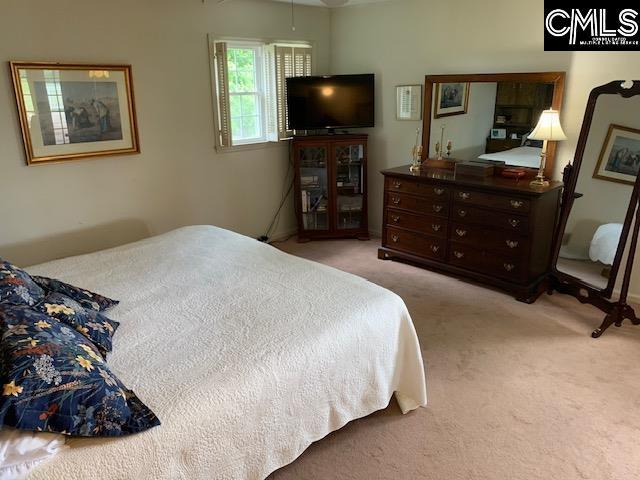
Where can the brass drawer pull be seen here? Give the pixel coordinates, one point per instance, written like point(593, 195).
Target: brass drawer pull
point(516, 203)
point(395, 238)
point(509, 266)
point(436, 227)
point(513, 222)
point(462, 213)
point(512, 243)
point(460, 232)
point(395, 200)
point(458, 254)
point(438, 191)
point(464, 195)
point(397, 184)
point(395, 218)
point(437, 208)
point(435, 248)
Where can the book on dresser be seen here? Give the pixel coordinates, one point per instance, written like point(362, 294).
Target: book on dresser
point(493, 230)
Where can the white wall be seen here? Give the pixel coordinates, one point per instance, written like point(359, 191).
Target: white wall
point(403, 40)
point(56, 210)
point(467, 132)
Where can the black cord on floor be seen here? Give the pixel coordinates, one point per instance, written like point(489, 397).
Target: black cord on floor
point(285, 195)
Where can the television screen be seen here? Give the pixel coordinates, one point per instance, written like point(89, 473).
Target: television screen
point(338, 101)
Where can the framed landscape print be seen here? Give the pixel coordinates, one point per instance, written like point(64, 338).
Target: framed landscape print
point(451, 99)
point(619, 159)
point(72, 111)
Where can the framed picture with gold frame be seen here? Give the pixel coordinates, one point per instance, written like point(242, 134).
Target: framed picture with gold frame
point(451, 99)
point(619, 159)
point(70, 111)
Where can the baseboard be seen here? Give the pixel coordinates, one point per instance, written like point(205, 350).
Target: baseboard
point(375, 233)
point(631, 297)
point(284, 235)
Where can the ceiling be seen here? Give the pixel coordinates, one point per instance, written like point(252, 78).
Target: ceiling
point(320, 3)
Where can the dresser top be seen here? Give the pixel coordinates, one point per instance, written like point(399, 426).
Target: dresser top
point(495, 183)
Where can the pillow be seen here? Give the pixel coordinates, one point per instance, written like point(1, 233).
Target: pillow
point(534, 143)
point(54, 380)
point(17, 287)
point(93, 325)
point(529, 142)
point(84, 297)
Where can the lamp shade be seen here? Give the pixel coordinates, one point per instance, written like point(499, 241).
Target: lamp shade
point(548, 127)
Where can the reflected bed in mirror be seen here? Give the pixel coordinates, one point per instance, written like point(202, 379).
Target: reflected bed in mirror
point(609, 167)
point(489, 116)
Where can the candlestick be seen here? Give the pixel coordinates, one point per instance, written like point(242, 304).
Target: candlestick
point(416, 153)
point(441, 142)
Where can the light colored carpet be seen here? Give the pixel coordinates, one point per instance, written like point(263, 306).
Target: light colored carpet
point(516, 391)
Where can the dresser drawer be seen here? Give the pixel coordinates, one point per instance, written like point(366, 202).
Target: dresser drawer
point(492, 200)
point(430, 225)
point(421, 205)
point(512, 223)
point(489, 239)
point(416, 188)
point(488, 263)
point(422, 245)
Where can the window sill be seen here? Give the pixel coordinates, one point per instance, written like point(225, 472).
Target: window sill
point(251, 146)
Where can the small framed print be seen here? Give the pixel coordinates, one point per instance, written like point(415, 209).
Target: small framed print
point(72, 111)
point(451, 99)
point(409, 102)
point(619, 159)
point(498, 133)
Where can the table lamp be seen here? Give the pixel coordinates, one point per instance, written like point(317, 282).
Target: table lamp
point(548, 128)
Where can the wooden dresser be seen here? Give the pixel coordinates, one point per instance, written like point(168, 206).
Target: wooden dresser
point(495, 231)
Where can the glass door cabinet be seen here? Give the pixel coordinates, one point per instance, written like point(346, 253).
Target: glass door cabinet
point(331, 186)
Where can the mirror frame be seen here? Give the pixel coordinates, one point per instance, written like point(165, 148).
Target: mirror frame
point(569, 195)
point(557, 78)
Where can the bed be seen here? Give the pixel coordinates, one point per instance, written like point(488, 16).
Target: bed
point(517, 157)
point(246, 354)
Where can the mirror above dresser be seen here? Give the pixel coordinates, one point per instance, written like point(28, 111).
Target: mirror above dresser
point(490, 116)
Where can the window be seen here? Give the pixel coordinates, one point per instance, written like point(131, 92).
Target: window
point(246, 94)
point(250, 87)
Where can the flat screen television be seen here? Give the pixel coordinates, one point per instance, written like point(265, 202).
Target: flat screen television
point(337, 101)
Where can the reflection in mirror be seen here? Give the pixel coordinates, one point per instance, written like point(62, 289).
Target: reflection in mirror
point(605, 181)
point(489, 120)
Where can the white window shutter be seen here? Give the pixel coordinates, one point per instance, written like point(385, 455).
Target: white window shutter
point(222, 81)
point(302, 61)
point(284, 70)
point(289, 62)
point(270, 93)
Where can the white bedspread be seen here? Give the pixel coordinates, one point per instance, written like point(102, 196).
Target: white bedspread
point(517, 157)
point(246, 354)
